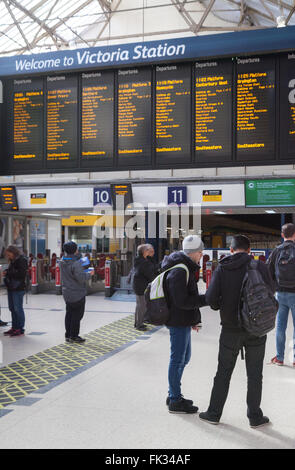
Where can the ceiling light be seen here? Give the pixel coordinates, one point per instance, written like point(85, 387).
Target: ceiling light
point(51, 215)
point(271, 212)
point(219, 212)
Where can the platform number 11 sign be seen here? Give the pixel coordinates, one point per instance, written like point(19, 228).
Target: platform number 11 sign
point(177, 195)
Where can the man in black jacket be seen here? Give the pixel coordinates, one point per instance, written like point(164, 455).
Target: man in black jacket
point(184, 301)
point(15, 282)
point(224, 294)
point(144, 271)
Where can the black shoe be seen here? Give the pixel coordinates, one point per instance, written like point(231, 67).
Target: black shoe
point(206, 417)
point(77, 339)
point(67, 340)
point(190, 402)
point(260, 422)
point(141, 328)
point(182, 406)
point(3, 323)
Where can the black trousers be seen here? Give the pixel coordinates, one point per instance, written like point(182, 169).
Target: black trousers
point(74, 314)
point(230, 344)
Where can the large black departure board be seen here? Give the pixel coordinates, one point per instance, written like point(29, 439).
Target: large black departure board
point(255, 108)
point(287, 102)
point(202, 113)
point(134, 116)
point(213, 110)
point(97, 134)
point(28, 123)
point(173, 113)
point(62, 121)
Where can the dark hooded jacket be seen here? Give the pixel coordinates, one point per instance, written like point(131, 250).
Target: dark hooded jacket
point(73, 278)
point(183, 298)
point(224, 290)
point(144, 272)
point(15, 279)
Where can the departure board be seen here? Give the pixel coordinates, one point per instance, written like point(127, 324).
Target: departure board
point(213, 110)
point(8, 198)
point(255, 108)
point(287, 102)
point(134, 115)
point(173, 113)
point(97, 118)
point(62, 121)
point(28, 123)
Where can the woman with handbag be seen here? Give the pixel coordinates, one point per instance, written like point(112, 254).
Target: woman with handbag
point(15, 282)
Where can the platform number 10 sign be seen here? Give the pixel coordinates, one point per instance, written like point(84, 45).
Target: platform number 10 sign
point(102, 196)
point(177, 195)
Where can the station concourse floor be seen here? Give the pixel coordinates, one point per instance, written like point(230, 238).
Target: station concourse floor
point(117, 399)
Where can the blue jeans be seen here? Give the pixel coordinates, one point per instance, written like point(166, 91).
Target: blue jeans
point(286, 302)
point(180, 354)
point(15, 305)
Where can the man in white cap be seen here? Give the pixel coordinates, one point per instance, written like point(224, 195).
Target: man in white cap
point(184, 301)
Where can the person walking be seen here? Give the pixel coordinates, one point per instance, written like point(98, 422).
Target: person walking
point(15, 282)
point(281, 264)
point(183, 300)
point(144, 271)
point(224, 294)
point(73, 280)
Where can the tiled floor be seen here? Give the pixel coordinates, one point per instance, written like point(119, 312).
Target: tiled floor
point(120, 402)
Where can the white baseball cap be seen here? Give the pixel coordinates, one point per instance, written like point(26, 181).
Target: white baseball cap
point(192, 243)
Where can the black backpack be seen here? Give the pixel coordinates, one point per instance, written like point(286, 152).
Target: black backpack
point(258, 305)
point(285, 266)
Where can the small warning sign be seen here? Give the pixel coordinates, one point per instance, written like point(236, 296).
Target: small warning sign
point(212, 195)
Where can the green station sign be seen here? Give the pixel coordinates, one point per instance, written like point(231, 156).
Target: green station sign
point(270, 193)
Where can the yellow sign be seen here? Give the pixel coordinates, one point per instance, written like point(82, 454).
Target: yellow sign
point(212, 195)
point(39, 198)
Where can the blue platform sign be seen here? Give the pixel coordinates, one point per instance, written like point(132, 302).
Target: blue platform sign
point(177, 195)
point(102, 196)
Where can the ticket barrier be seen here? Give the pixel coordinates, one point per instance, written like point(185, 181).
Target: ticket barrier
point(109, 278)
point(209, 266)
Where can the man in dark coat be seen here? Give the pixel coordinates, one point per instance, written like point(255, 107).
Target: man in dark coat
point(15, 282)
point(224, 294)
point(144, 271)
point(184, 301)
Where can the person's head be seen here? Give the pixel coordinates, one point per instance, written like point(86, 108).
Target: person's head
point(12, 252)
point(288, 232)
point(70, 248)
point(145, 250)
point(193, 247)
point(240, 243)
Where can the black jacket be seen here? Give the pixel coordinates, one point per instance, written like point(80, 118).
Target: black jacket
point(271, 263)
point(144, 271)
point(15, 279)
point(224, 290)
point(183, 298)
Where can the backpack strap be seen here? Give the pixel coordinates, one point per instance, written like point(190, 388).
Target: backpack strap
point(180, 265)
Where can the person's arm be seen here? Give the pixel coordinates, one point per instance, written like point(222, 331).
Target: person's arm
point(178, 291)
point(213, 293)
point(266, 275)
point(271, 265)
point(148, 270)
point(79, 274)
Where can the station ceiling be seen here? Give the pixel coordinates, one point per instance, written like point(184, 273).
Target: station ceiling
point(32, 26)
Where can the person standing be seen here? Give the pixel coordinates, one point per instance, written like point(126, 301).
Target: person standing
point(15, 282)
point(144, 271)
point(73, 280)
point(183, 300)
point(224, 294)
point(281, 264)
